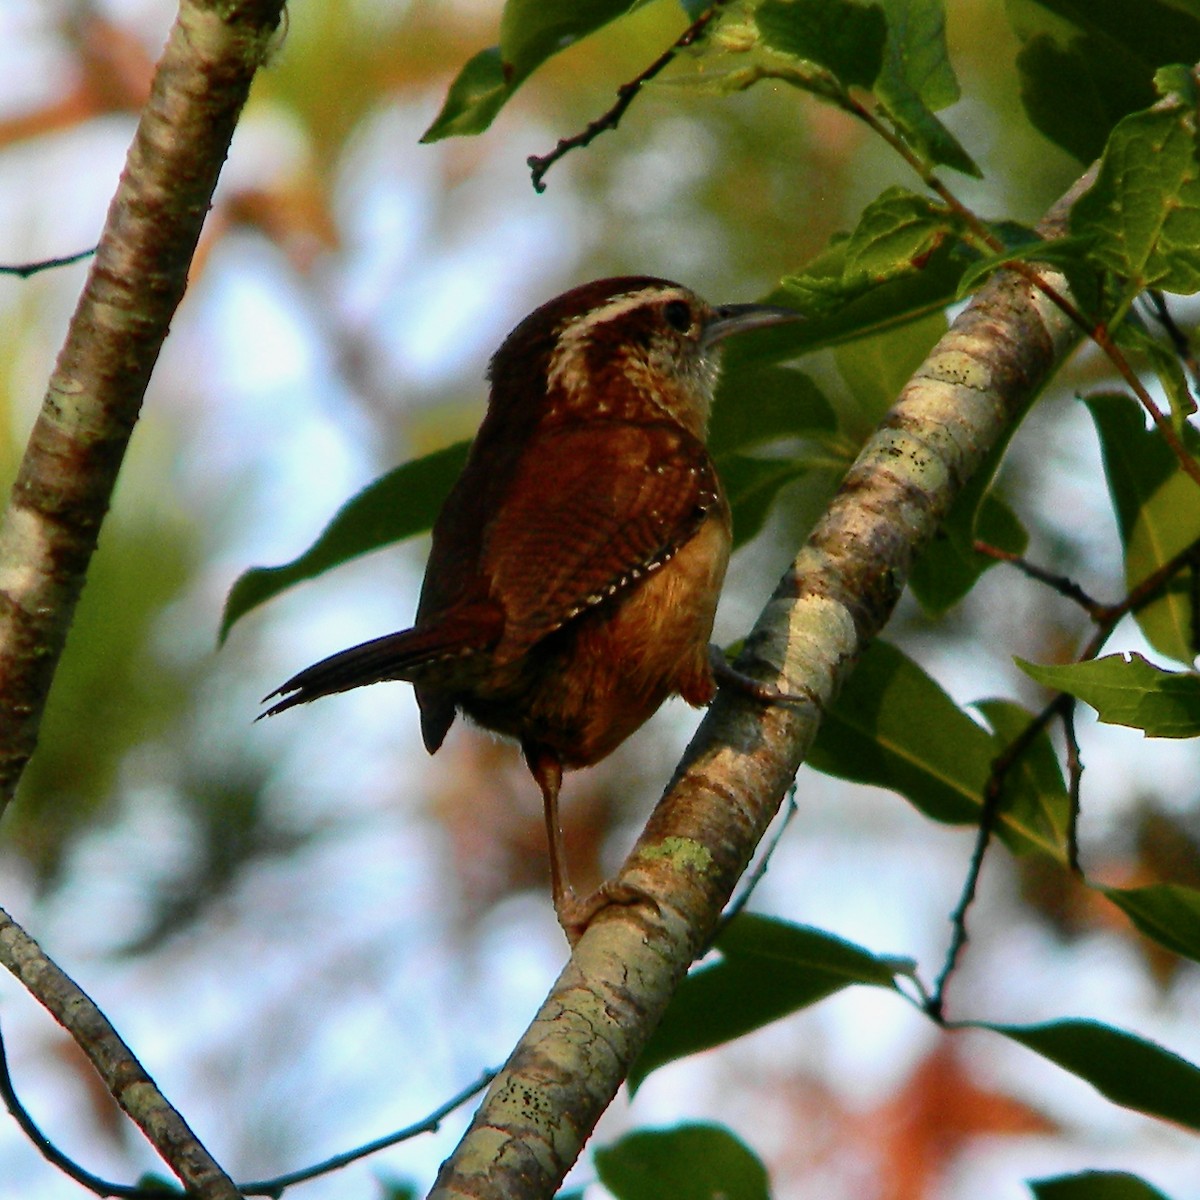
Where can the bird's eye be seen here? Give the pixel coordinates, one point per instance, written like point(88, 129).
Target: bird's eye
point(678, 314)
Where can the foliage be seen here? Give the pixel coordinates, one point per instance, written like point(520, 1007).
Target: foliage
point(911, 252)
point(876, 298)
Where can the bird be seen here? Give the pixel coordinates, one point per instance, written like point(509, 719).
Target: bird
point(576, 564)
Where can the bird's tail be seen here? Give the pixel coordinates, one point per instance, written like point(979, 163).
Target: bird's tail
point(403, 655)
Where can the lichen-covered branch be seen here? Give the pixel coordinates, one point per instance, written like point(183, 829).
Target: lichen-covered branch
point(65, 481)
point(835, 598)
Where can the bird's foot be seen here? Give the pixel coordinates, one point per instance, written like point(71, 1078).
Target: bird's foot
point(576, 913)
point(727, 675)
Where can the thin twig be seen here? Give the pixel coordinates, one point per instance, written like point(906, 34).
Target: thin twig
point(1106, 617)
point(1074, 782)
point(25, 270)
point(49, 1151)
point(1060, 583)
point(430, 1124)
point(755, 877)
point(993, 792)
point(539, 164)
point(266, 1187)
point(1100, 334)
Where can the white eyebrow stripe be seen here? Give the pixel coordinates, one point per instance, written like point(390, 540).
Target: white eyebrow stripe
point(567, 368)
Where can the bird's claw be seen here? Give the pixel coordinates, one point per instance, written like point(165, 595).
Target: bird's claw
point(727, 675)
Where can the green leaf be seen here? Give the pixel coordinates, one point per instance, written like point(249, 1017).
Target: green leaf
point(395, 506)
point(917, 50)
point(1143, 211)
point(1069, 254)
point(751, 485)
point(1095, 1185)
point(689, 1162)
point(917, 79)
point(1103, 55)
point(475, 97)
point(1157, 513)
point(757, 406)
point(896, 233)
point(768, 969)
point(398, 1189)
point(1129, 691)
point(950, 566)
point(1124, 1068)
point(877, 367)
point(842, 306)
point(1037, 797)
point(894, 727)
point(1168, 913)
point(531, 31)
point(1140, 345)
point(844, 38)
point(154, 1184)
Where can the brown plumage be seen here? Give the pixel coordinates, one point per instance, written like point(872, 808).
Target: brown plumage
point(577, 562)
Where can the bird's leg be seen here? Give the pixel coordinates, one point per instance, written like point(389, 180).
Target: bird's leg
point(574, 914)
point(727, 675)
point(546, 768)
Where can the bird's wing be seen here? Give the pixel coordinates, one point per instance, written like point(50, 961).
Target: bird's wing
point(591, 511)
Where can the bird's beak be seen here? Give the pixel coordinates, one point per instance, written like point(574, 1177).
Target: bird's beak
point(738, 318)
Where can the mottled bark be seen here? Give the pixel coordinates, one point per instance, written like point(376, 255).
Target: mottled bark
point(66, 478)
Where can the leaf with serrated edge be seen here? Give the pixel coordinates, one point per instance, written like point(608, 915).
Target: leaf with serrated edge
point(895, 234)
point(1143, 211)
point(1128, 690)
point(1157, 513)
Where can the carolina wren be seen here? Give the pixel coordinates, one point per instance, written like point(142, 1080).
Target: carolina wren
point(576, 563)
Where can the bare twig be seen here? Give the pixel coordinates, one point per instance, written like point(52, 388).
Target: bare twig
point(63, 487)
point(25, 270)
point(1060, 583)
point(1074, 783)
point(429, 1124)
point(48, 1150)
point(265, 1187)
point(539, 164)
point(993, 792)
point(755, 877)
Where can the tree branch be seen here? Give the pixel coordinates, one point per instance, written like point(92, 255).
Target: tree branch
point(65, 481)
point(835, 598)
point(125, 1077)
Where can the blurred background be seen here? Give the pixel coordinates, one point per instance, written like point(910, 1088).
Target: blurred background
point(311, 932)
